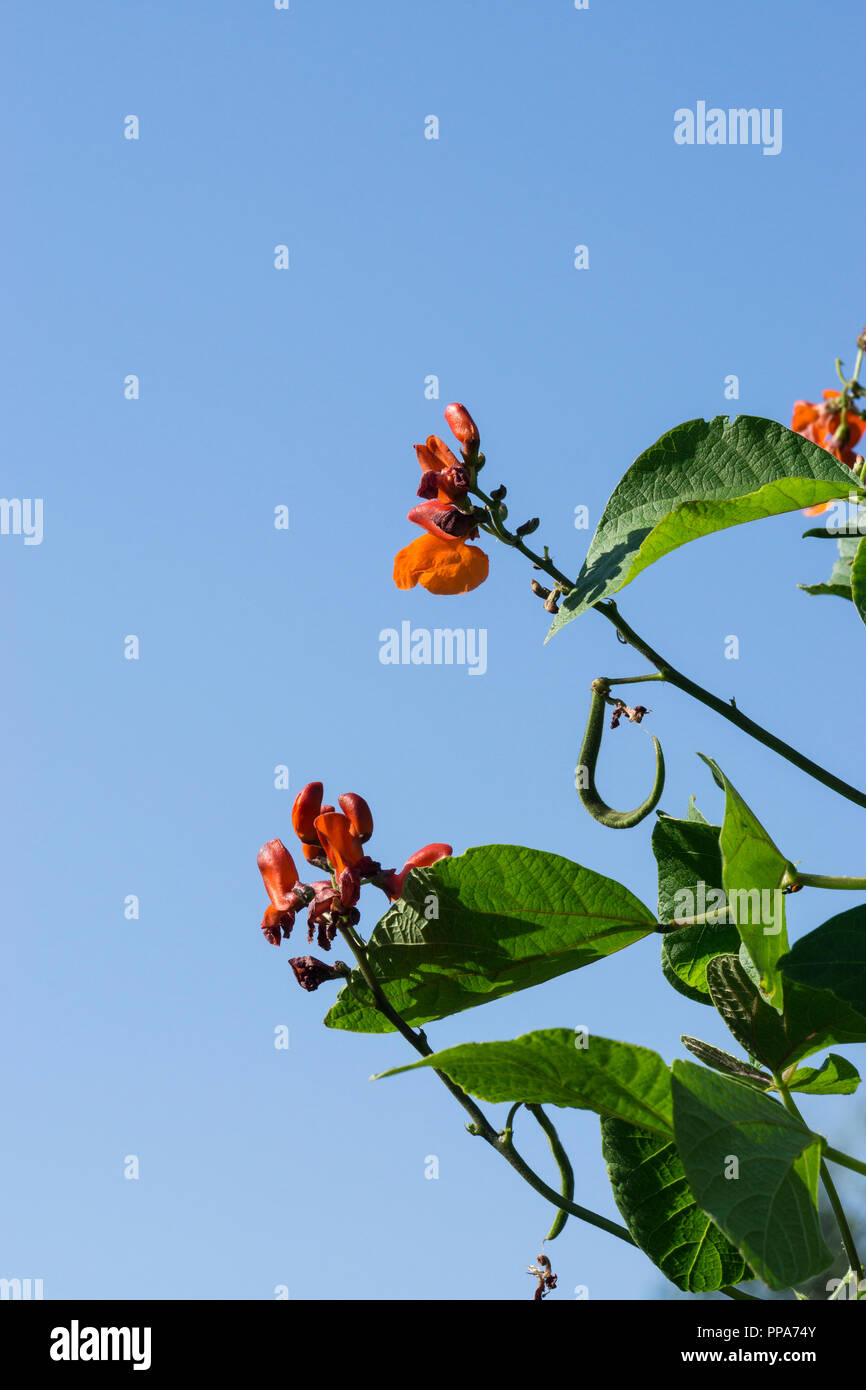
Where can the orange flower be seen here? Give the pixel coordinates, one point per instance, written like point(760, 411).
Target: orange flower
point(822, 424)
point(277, 868)
point(441, 562)
point(440, 566)
point(339, 841)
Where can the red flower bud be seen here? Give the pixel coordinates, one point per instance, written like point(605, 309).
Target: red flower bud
point(277, 868)
point(359, 814)
point(339, 841)
point(308, 805)
point(421, 859)
point(463, 427)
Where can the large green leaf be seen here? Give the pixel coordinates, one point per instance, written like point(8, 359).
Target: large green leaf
point(754, 1169)
point(474, 928)
point(655, 1201)
point(812, 1019)
point(839, 582)
point(551, 1067)
point(689, 862)
point(701, 477)
point(833, 957)
point(753, 873)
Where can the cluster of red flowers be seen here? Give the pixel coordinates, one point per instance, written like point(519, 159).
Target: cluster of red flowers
point(835, 425)
point(334, 841)
point(441, 561)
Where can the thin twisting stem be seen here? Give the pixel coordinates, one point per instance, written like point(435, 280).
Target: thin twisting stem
point(609, 610)
point(481, 1126)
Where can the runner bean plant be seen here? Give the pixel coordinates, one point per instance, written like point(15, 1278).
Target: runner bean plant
point(714, 1170)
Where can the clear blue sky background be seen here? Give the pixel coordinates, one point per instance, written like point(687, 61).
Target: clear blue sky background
point(409, 257)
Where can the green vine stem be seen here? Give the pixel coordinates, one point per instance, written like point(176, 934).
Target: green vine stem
point(480, 1125)
point(666, 671)
point(798, 880)
point(609, 610)
point(845, 1160)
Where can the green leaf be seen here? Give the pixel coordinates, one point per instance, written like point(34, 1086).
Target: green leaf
point(753, 873)
point(482, 925)
point(552, 1067)
point(689, 864)
point(655, 1201)
point(722, 1061)
point(701, 477)
point(858, 579)
point(837, 1077)
point(813, 1018)
point(833, 957)
point(769, 1211)
point(693, 814)
point(839, 582)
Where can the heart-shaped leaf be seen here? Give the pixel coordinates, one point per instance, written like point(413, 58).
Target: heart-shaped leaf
point(482, 925)
point(689, 862)
point(655, 1201)
point(701, 477)
point(556, 1066)
point(754, 1169)
point(812, 1019)
point(753, 871)
point(833, 957)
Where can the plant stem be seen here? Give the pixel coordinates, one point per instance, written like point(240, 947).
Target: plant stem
point(609, 610)
point(828, 881)
point(845, 1160)
point(669, 673)
point(480, 1126)
point(829, 1186)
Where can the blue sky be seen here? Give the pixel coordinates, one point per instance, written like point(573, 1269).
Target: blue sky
point(306, 388)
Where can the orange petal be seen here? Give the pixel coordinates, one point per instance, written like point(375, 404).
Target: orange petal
point(440, 566)
point(804, 414)
point(278, 871)
point(440, 451)
point(816, 511)
point(339, 841)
